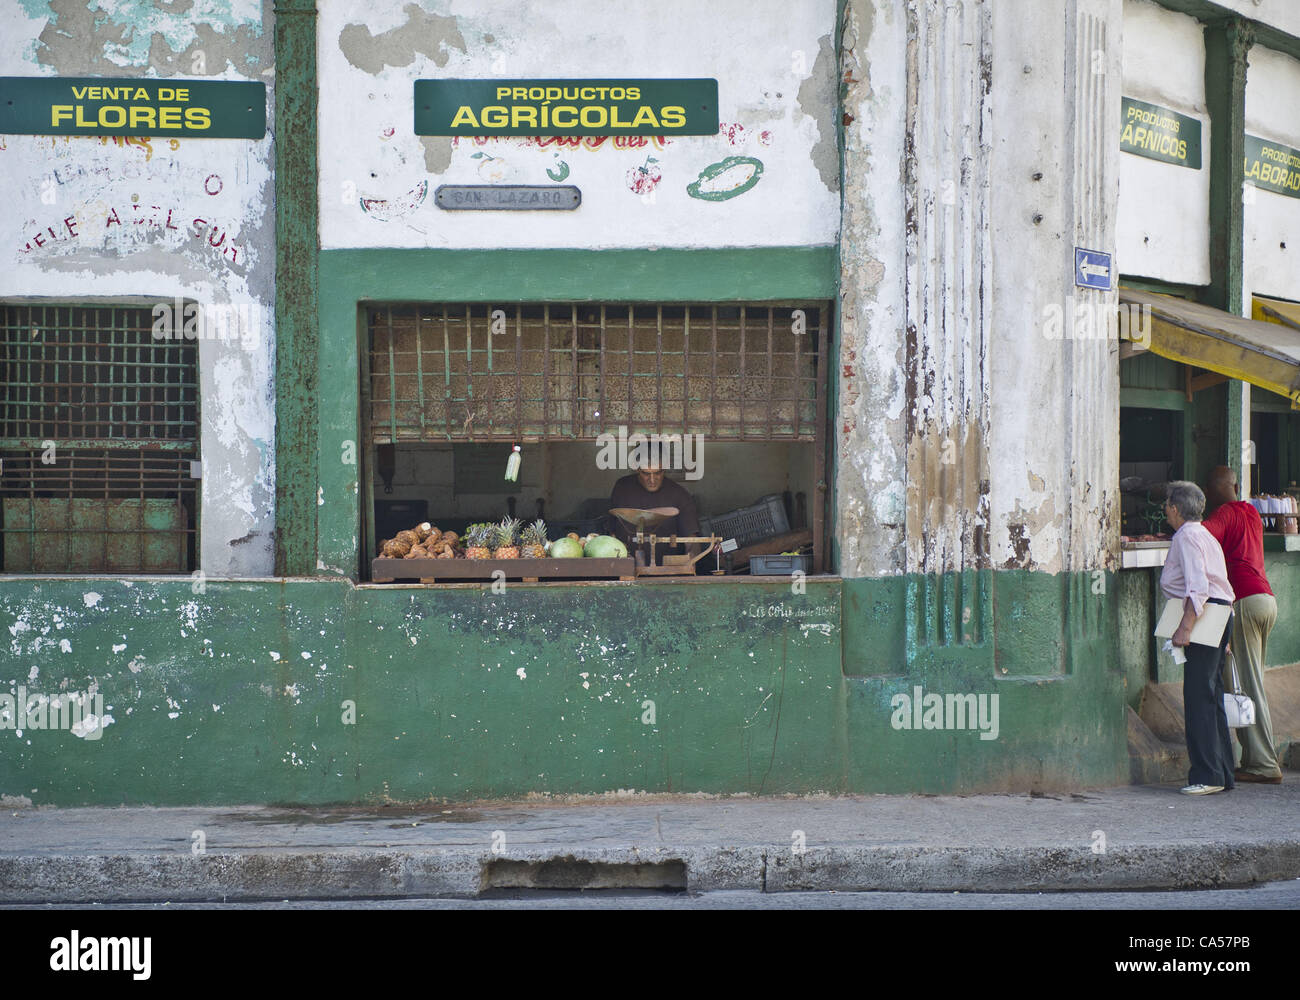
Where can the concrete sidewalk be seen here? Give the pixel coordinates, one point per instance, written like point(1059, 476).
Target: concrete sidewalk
point(1137, 837)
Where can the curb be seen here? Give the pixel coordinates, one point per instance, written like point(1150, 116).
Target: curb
point(141, 877)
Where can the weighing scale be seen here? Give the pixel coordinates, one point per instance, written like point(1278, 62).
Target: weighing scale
point(638, 521)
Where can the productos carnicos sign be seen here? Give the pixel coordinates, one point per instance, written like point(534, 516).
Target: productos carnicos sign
point(209, 109)
point(566, 107)
point(1160, 134)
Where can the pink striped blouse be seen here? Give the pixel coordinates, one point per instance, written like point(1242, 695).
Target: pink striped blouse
point(1195, 567)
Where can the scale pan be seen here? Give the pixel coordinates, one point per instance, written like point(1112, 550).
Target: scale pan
point(642, 519)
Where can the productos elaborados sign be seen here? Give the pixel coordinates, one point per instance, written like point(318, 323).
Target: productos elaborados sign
point(209, 109)
point(1272, 166)
point(566, 107)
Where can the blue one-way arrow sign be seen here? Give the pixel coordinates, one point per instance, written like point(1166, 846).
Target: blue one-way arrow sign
point(1092, 269)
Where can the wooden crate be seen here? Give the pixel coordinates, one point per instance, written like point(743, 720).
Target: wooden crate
point(527, 570)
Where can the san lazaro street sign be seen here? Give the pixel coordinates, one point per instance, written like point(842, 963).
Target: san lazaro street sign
point(61, 105)
point(566, 107)
point(1272, 166)
point(1160, 134)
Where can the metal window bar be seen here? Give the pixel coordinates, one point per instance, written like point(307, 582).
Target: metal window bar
point(94, 374)
point(572, 361)
point(519, 367)
point(419, 374)
point(98, 427)
point(446, 359)
point(575, 373)
point(742, 370)
point(686, 368)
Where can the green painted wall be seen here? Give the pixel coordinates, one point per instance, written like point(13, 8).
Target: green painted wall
point(1283, 572)
point(1140, 596)
point(236, 695)
point(297, 346)
point(1136, 623)
point(1044, 644)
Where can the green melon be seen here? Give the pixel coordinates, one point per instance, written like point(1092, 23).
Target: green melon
point(605, 547)
point(565, 548)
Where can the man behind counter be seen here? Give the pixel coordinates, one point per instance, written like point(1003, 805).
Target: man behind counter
point(645, 489)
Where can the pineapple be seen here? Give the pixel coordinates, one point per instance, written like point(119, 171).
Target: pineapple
point(507, 539)
point(535, 540)
point(477, 540)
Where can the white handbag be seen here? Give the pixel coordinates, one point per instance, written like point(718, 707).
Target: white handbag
point(1238, 707)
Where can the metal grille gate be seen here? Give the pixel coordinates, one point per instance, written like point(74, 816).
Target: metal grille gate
point(573, 371)
point(98, 427)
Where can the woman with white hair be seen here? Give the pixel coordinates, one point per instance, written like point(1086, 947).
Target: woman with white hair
point(1196, 574)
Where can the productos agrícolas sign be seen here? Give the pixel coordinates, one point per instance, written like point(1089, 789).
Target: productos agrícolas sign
point(566, 107)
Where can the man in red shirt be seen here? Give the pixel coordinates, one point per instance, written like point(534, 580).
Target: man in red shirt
point(1236, 526)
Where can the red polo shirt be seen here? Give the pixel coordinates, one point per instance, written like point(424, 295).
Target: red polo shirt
point(1240, 533)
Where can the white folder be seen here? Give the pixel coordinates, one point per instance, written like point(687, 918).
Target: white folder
point(1208, 630)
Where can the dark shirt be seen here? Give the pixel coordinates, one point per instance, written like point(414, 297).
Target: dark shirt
point(1240, 533)
point(628, 492)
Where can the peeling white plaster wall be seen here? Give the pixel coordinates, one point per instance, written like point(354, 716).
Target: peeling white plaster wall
point(1030, 265)
point(1054, 435)
point(1164, 219)
point(1015, 439)
point(160, 218)
point(1272, 219)
point(869, 429)
point(774, 62)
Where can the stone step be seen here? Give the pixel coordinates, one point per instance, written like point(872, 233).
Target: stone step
point(1157, 740)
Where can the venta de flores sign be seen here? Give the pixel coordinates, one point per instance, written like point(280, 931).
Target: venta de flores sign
point(1160, 134)
point(208, 109)
point(566, 107)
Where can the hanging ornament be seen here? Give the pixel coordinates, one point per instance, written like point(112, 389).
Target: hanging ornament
point(512, 465)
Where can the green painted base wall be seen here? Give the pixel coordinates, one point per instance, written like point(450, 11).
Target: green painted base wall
point(237, 695)
point(1136, 623)
point(1283, 572)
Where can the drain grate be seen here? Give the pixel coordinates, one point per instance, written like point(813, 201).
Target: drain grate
point(572, 873)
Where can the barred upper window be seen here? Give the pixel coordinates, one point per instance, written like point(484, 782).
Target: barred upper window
point(98, 430)
point(570, 371)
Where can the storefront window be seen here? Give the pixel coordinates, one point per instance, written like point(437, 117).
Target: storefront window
point(733, 396)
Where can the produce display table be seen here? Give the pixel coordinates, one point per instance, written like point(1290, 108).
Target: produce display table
point(527, 570)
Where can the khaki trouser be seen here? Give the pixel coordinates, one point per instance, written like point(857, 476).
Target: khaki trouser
point(1254, 619)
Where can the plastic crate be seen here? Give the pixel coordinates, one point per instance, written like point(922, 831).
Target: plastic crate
point(749, 524)
point(779, 565)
